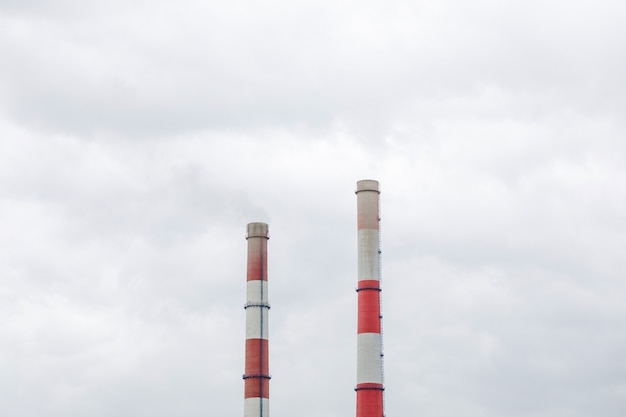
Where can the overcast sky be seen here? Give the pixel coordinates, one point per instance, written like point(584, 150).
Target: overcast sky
point(138, 138)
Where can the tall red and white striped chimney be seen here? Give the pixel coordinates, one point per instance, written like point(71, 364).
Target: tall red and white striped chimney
point(256, 377)
point(369, 377)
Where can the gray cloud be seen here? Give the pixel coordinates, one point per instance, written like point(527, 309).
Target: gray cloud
point(165, 69)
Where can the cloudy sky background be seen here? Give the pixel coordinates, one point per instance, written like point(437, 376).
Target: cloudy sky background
point(138, 138)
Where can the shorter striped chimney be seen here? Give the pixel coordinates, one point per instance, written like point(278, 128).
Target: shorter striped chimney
point(257, 377)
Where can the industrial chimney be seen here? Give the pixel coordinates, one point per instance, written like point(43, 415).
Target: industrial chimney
point(369, 379)
point(256, 377)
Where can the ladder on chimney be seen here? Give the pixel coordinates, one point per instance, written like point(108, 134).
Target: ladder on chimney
point(380, 278)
